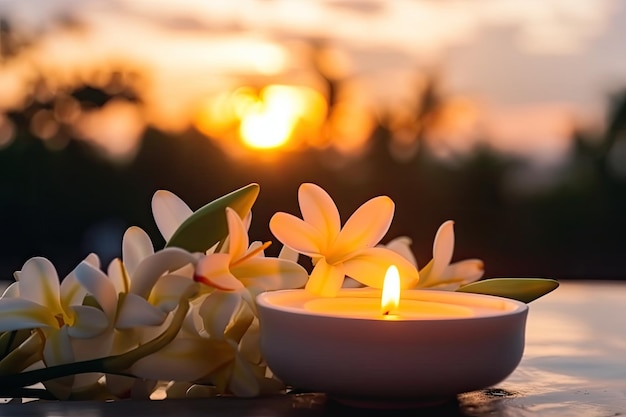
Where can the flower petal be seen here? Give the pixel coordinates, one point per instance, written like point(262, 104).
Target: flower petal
point(297, 234)
point(244, 381)
point(267, 274)
point(464, 272)
point(426, 278)
point(169, 212)
point(136, 311)
point(289, 254)
point(94, 347)
point(136, 246)
point(167, 291)
point(184, 359)
point(365, 228)
point(237, 235)
point(87, 349)
point(72, 292)
point(217, 311)
point(443, 248)
point(154, 266)
point(88, 322)
point(116, 272)
point(39, 283)
point(214, 270)
point(325, 279)
point(58, 349)
point(319, 210)
point(240, 325)
point(402, 246)
point(98, 285)
point(369, 267)
point(12, 291)
point(250, 342)
point(256, 248)
point(17, 313)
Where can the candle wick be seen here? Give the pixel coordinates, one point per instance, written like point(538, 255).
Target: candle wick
point(386, 312)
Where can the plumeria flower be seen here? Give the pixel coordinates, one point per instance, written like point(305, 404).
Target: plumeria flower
point(191, 356)
point(137, 293)
point(39, 300)
point(439, 273)
point(145, 287)
point(200, 347)
point(237, 264)
point(242, 266)
point(336, 251)
point(245, 373)
point(234, 274)
point(223, 351)
point(70, 330)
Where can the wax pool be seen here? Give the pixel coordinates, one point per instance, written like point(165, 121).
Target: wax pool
point(370, 308)
point(365, 303)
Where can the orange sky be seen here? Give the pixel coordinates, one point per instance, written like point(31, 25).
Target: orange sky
point(525, 71)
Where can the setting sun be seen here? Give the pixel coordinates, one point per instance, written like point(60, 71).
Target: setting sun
point(271, 120)
point(268, 118)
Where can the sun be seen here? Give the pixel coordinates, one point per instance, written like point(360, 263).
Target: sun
point(270, 122)
point(276, 116)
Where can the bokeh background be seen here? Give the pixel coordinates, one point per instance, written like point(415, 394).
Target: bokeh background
point(508, 117)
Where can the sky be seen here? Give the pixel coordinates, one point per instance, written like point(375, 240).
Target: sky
point(519, 75)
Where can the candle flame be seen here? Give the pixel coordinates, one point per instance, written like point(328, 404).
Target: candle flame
point(391, 291)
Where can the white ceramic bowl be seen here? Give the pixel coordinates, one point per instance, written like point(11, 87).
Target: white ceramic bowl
point(369, 361)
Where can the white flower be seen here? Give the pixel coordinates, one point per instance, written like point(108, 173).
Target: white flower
point(241, 265)
point(70, 329)
point(39, 300)
point(145, 287)
point(336, 251)
point(137, 294)
point(439, 273)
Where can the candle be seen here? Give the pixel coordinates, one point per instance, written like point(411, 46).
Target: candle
point(388, 305)
point(362, 349)
point(365, 303)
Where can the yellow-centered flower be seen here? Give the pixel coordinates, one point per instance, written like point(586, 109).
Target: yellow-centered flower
point(339, 252)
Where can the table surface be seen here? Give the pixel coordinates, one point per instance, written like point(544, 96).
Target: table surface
point(574, 364)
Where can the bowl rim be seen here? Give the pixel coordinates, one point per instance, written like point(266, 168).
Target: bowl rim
point(501, 306)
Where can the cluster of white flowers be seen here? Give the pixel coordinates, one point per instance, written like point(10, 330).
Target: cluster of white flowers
point(186, 320)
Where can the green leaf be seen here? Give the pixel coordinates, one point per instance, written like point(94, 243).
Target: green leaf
point(521, 289)
point(207, 226)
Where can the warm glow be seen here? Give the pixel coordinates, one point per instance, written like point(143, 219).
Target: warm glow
point(271, 121)
point(391, 291)
point(271, 117)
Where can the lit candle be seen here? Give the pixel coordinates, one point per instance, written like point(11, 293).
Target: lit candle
point(366, 351)
point(388, 305)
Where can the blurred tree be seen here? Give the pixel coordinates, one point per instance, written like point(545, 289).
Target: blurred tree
point(61, 199)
